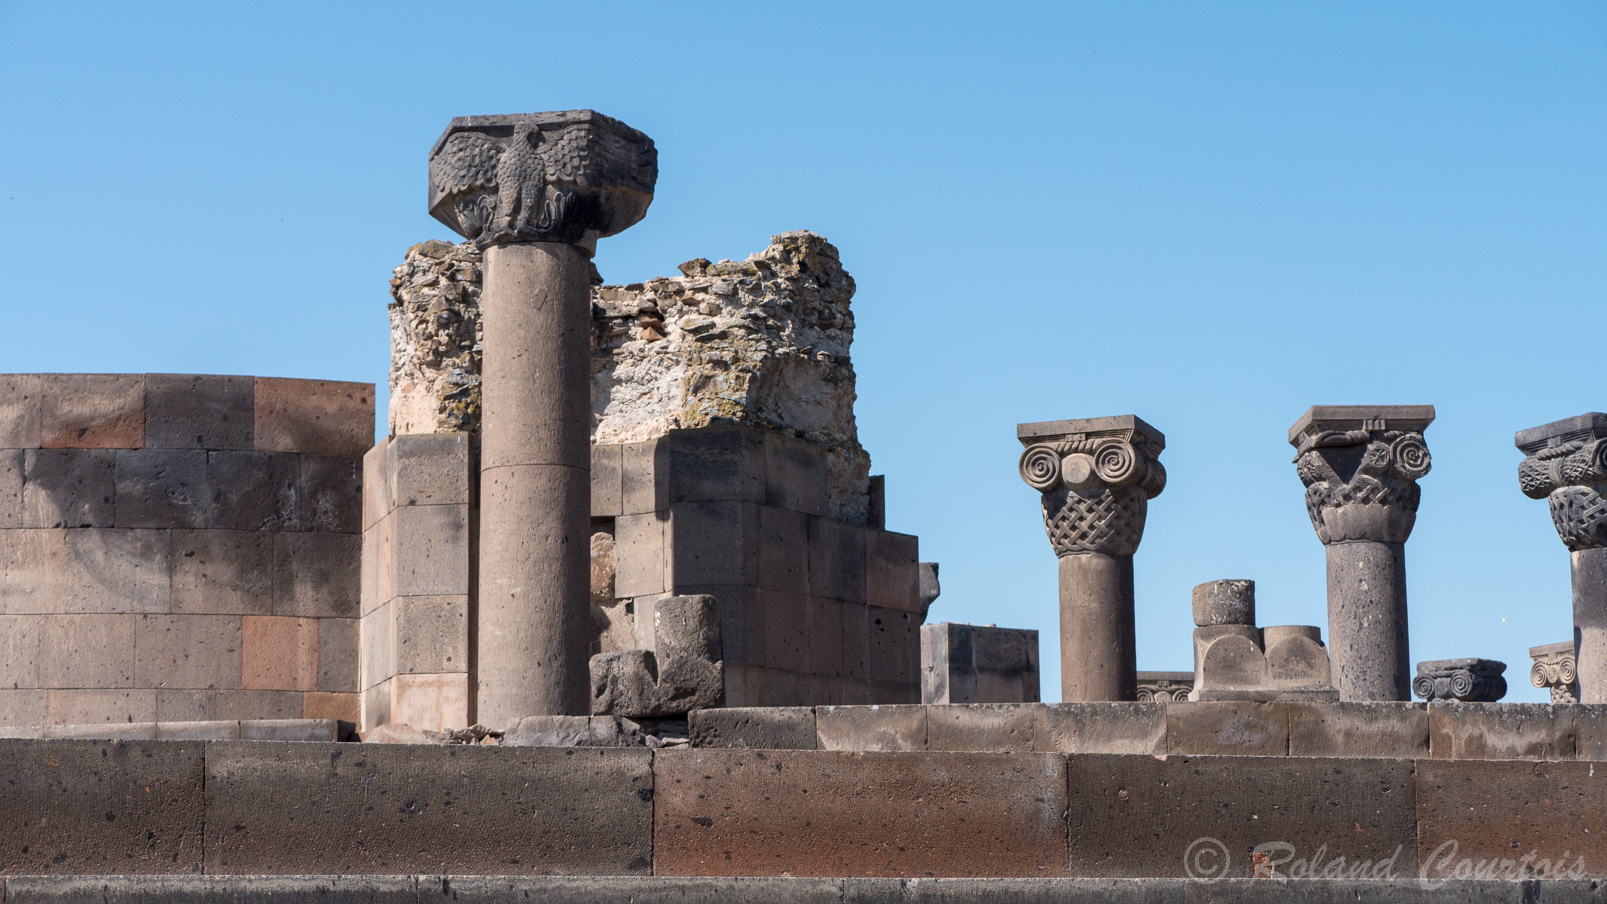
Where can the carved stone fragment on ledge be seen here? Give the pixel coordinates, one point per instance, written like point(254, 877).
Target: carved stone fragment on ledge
point(1555, 668)
point(1466, 680)
point(1235, 660)
point(1164, 687)
point(572, 177)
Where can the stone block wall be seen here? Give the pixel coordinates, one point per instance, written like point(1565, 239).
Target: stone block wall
point(179, 548)
point(814, 610)
point(418, 561)
point(978, 664)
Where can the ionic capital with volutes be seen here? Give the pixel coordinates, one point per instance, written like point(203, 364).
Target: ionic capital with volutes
point(1360, 465)
point(1097, 476)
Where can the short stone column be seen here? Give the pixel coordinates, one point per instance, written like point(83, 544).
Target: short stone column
point(1097, 476)
point(535, 192)
point(1360, 465)
point(1566, 464)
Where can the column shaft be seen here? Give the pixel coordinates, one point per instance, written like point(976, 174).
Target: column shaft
point(1590, 623)
point(1098, 651)
point(535, 480)
point(1367, 620)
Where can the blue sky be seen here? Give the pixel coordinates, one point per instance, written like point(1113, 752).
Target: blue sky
point(1209, 215)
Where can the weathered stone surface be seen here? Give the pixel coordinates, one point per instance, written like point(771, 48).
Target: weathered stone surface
point(1226, 602)
point(163, 488)
point(951, 814)
point(1108, 728)
point(222, 572)
point(1151, 816)
point(414, 808)
point(184, 651)
point(1500, 731)
point(92, 411)
point(1164, 687)
point(754, 728)
point(572, 731)
point(207, 889)
point(1360, 465)
point(331, 494)
point(1511, 811)
point(96, 807)
point(1228, 728)
point(20, 410)
point(870, 728)
point(983, 727)
point(1096, 476)
point(279, 653)
point(432, 549)
point(978, 664)
point(84, 571)
point(759, 343)
point(256, 491)
point(1467, 680)
point(431, 634)
point(316, 575)
point(684, 671)
point(1556, 667)
point(186, 411)
point(1358, 729)
point(321, 417)
point(109, 639)
point(67, 488)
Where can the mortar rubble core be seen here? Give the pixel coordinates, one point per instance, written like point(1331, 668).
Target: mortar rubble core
point(759, 343)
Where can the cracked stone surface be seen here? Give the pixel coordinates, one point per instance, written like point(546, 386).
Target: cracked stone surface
point(762, 342)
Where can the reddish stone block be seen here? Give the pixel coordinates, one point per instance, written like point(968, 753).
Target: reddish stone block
point(92, 411)
point(319, 705)
point(1494, 811)
point(322, 417)
point(771, 813)
point(279, 653)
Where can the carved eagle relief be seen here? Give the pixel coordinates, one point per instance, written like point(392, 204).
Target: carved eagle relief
point(522, 179)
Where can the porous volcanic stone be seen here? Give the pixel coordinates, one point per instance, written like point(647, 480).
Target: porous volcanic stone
point(754, 728)
point(1506, 810)
point(769, 813)
point(1139, 816)
point(101, 807)
point(406, 808)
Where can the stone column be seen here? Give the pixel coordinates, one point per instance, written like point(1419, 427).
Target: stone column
point(1566, 464)
point(1360, 465)
point(535, 192)
point(1097, 476)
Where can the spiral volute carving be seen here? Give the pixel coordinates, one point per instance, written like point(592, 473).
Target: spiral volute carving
point(1040, 467)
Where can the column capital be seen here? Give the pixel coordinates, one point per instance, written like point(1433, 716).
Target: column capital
point(572, 177)
point(1360, 465)
point(1565, 463)
point(1097, 476)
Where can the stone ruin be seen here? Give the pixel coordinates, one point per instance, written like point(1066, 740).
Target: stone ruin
point(615, 600)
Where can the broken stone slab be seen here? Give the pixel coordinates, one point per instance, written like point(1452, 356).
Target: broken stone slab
point(684, 672)
point(1467, 680)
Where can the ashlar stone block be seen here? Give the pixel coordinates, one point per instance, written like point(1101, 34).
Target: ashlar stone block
point(185, 411)
point(379, 484)
point(715, 465)
point(871, 728)
point(222, 572)
point(164, 488)
point(92, 411)
point(783, 549)
point(12, 465)
point(66, 487)
point(331, 496)
point(255, 491)
point(316, 575)
point(84, 571)
point(432, 469)
point(639, 555)
point(89, 706)
point(20, 651)
point(795, 475)
point(607, 480)
point(431, 702)
point(338, 655)
point(1104, 728)
point(431, 634)
point(432, 550)
point(279, 653)
point(20, 411)
point(754, 728)
point(713, 543)
point(836, 560)
point(187, 651)
point(313, 416)
point(684, 672)
point(892, 571)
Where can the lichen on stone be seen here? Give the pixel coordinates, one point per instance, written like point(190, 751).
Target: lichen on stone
point(760, 343)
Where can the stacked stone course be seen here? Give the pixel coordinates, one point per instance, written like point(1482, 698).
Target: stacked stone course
point(179, 548)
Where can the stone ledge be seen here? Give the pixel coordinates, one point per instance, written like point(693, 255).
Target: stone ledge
point(653, 890)
point(1463, 731)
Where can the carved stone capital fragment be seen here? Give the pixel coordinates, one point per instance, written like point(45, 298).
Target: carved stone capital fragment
point(571, 177)
point(1556, 667)
point(1565, 463)
point(1097, 476)
point(1467, 680)
point(1360, 465)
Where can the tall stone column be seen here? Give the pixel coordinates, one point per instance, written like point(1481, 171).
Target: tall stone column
point(1566, 464)
point(1360, 465)
point(1097, 476)
point(535, 192)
